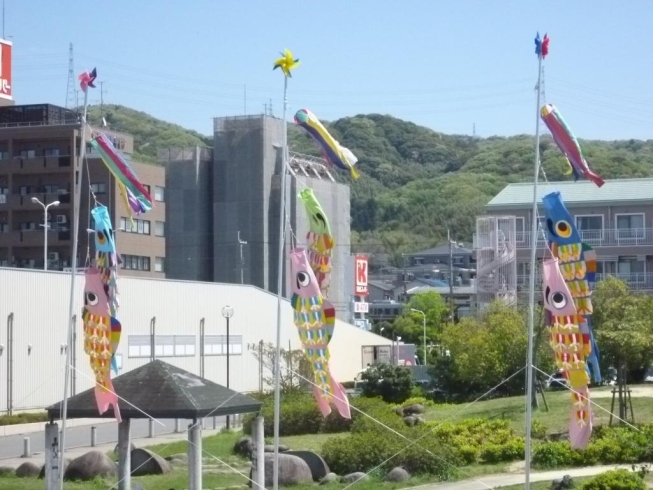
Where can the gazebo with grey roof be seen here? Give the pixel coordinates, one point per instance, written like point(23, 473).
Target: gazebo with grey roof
point(156, 390)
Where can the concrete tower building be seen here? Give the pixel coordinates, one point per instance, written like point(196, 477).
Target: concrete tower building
point(243, 184)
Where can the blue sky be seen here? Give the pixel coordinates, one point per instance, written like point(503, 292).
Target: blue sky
point(446, 65)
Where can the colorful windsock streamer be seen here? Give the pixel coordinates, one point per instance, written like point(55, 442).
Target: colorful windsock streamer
point(136, 196)
point(568, 280)
point(314, 319)
point(568, 145)
point(101, 337)
point(332, 151)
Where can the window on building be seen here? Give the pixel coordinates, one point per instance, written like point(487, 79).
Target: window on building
point(147, 188)
point(139, 226)
point(136, 262)
point(184, 345)
point(418, 260)
point(99, 188)
point(519, 228)
point(589, 223)
point(27, 153)
point(159, 264)
point(51, 152)
point(4, 227)
point(630, 265)
point(630, 226)
point(159, 228)
point(159, 193)
point(4, 155)
point(139, 346)
point(457, 259)
point(216, 345)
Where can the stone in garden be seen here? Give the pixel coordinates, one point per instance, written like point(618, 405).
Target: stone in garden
point(91, 465)
point(27, 470)
point(145, 462)
point(414, 409)
point(410, 420)
point(329, 478)
point(566, 483)
point(179, 459)
point(269, 448)
point(65, 465)
point(292, 470)
point(355, 477)
point(318, 466)
point(397, 474)
point(115, 449)
point(244, 447)
point(399, 411)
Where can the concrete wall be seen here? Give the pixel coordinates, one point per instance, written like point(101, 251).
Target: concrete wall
point(40, 321)
point(189, 188)
point(244, 162)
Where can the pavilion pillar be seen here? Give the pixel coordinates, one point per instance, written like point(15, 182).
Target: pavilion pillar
point(195, 455)
point(258, 455)
point(124, 455)
point(52, 462)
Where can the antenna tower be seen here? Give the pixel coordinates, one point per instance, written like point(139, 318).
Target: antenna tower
point(70, 89)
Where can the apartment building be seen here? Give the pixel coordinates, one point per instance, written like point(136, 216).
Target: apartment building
point(616, 220)
point(39, 145)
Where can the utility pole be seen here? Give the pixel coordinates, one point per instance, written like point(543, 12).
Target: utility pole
point(450, 273)
point(102, 99)
point(242, 260)
point(71, 92)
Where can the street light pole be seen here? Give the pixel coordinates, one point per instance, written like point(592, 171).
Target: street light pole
point(228, 312)
point(45, 228)
point(424, 320)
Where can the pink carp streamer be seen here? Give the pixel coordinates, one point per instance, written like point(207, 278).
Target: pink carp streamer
point(314, 319)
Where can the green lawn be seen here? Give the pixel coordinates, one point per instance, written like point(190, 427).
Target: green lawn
point(555, 419)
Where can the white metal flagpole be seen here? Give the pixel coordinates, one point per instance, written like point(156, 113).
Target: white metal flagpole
point(531, 292)
point(280, 275)
point(77, 182)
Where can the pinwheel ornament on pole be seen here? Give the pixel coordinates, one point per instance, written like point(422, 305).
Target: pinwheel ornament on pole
point(287, 63)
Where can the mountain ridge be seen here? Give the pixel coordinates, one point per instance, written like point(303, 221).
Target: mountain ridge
point(415, 182)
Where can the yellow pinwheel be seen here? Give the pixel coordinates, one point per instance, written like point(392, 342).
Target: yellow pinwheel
point(286, 63)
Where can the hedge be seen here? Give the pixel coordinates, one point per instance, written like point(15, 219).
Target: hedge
point(616, 480)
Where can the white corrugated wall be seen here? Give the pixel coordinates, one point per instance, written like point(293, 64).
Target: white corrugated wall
point(39, 303)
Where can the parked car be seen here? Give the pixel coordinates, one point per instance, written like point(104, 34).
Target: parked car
point(557, 381)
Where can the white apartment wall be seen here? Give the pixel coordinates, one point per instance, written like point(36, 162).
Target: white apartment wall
point(39, 303)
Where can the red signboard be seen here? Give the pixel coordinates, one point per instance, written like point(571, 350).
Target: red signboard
point(360, 271)
point(5, 69)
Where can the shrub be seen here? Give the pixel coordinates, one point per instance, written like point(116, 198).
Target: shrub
point(299, 415)
point(615, 480)
point(538, 429)
point(365, 451)
point(420, 400)
point(553, 455)
point(392, 383)
point(23, 418)
point(511, 450)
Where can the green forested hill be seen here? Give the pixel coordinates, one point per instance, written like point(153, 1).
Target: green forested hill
point(415, 183)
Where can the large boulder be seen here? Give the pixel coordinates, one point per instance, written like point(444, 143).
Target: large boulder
point(269, 448)
point(179, 459)
point(27, 470)
point(115, 449)
point(414, 409)
point(145, 462)
point(329, 478)
point(91, 465)
point(65, 465)
point(292, 470)
point(397, 474)
point(318, 466)
point(354, 477)
point(410, 420)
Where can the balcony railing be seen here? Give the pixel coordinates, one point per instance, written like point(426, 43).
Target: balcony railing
point(637, 281)
point(595, 238)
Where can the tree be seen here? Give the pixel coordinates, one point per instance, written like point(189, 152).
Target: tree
point(485, 351)
point(410, 324)
point(623, 331)
point(295, 370)
point(392, 383)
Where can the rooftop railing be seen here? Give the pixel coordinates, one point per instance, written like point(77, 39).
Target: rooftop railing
point(622, 237)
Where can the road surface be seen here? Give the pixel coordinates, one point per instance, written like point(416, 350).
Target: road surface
point(12, 446)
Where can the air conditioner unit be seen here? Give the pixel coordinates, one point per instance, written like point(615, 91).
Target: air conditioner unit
point(53, 255)
point(62, 218)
